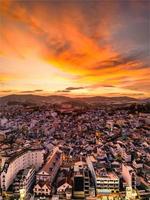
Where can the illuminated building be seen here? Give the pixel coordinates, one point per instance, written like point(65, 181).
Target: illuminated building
point(65, 191)
point(105, 182)
point(129, 175)
point(21, 160)
point(131, 194)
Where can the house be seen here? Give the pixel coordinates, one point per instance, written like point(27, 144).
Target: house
point(65, 190)
point(42, 188)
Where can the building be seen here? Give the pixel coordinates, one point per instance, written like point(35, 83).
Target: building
point(129, 175)
point(126, 156)
point(105, 182)
point(55, 197)
point(110, 124)
point(46, 176)
point(51, 167)
point(131, 194)
point(81, 183)
point(24, 180)
point(42, 188)
point(65, 191)
point(21, 160)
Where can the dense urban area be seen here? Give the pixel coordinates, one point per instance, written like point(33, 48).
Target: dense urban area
point(72, 151)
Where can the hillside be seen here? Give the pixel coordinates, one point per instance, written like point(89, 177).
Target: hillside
point(54, 99)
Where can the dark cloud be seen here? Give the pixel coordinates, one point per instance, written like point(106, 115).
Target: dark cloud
point(74, 88)
point(126, 59)
point(28, 91)
point(38, 90)
point(107, 86)
point(62, 91)
point(69, 89)
point(6, 91)
point(61, 47)
point(31, 91)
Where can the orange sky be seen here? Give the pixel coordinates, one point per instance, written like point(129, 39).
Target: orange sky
point(73, 47)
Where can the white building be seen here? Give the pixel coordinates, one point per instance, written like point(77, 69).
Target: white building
point(19, 161)
point(129, 175)
point(42, 188)
point(24, 180)
point(105, 183)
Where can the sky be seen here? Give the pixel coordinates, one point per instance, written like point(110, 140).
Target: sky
point(75, 47)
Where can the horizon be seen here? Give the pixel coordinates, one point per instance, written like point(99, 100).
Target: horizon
point(98, 48)
point(73, 97)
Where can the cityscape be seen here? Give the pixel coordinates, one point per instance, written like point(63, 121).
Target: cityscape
point(74, 100)
point(74, 150)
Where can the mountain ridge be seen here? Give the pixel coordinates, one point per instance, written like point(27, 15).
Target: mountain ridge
point(58, 99)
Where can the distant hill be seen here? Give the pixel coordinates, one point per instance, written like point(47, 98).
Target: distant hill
point(33, 99)
point(147, 100)
point(105, 100)
point(55, 99)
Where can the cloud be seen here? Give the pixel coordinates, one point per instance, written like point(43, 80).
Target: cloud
point(63, 91)
point(69, 89)
point(107, 86)
point(6, 91)
point(31, 91)
point(95, 41)
point(99, 85)
point(38, 90)
point(132, 57)
point(74, 88)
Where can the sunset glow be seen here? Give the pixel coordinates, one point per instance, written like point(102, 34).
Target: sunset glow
point(73, 47)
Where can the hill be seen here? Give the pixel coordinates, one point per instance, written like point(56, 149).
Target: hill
point(55, 99)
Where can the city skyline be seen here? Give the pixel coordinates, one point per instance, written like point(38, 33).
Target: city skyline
point(75, 48)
